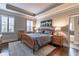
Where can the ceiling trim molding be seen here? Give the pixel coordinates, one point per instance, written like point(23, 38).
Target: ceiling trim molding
point(14, 8)
point(59, 9)
point(51, 7)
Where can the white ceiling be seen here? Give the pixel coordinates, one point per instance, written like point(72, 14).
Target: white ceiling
point(35, 8)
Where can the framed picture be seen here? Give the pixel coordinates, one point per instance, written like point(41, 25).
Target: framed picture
point(46, 23)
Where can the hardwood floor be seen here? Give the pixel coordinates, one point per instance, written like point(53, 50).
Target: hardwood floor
point(64, 52)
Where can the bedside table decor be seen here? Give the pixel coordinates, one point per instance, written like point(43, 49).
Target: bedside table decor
point(57, 31)
point(58, 37)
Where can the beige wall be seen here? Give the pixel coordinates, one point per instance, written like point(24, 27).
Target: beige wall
point(60, 20)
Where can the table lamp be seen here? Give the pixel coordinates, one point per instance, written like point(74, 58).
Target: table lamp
point(57, 31)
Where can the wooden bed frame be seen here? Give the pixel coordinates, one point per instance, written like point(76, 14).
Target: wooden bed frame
point(27, 39)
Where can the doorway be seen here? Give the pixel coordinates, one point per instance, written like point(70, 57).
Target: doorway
point(73, 31)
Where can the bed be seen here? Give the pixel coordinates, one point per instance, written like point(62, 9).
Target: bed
point(37, 40)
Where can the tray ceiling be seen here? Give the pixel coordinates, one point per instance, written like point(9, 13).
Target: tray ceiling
point(36, 8)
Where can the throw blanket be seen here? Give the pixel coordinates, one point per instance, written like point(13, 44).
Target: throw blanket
point(40, 39)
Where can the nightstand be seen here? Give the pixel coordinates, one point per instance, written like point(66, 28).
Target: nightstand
point(57, 40)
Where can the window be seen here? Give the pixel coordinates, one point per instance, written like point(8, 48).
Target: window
point(11, 24)
point(71, 26)
point(29, 26)
point(6, 24)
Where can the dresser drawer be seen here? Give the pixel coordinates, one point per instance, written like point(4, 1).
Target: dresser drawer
point(57, 40)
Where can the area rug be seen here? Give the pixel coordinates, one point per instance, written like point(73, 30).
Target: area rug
point(20, 49)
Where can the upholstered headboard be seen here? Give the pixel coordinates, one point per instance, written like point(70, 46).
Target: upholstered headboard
point(46, 30)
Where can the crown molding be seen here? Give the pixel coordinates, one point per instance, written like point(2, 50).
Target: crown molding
point(62, 8)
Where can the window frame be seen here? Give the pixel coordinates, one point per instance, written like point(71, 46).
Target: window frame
point(13, 24)
point(7, 24)
point(2, 22)
point(30, 26)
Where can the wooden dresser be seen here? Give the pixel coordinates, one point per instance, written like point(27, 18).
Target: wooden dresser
point(57, 40)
